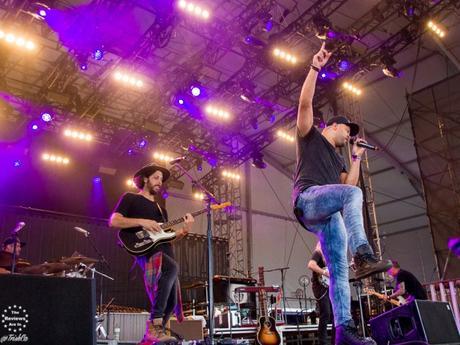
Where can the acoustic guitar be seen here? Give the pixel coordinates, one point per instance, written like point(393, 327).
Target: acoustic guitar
point(267, 334)
point(138, 241)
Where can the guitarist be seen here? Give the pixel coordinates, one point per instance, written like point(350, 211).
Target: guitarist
point(140, 210)
point(317, 265)
point(407, 285)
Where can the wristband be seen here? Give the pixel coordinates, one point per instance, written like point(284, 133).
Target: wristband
point(314, 68)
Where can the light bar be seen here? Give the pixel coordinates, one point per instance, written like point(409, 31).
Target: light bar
point(436, 29)
point(18, 41)
point(217, 112)
point(231, 175)
point(128, 79)
point(194, 9)
point(198, 195)
point(78, 135)
point(282, 134)
point(160, 156)
point(283, 55)
point(55, 159)
point(352, 88)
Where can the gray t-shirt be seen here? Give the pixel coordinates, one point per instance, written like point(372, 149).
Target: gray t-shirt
point(318, 163)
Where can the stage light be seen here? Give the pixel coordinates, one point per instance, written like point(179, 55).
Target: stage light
point(142, 143)
point(55, 159)
point(165, 194)
point(46, 117)
point(196, 91)
point(75, 134)
point(42, 13)
point(231, 175)
point(282, 134)
point(97, 179)
point(344, 65)
point(436, 29)
point(163, 157)
point(198, 195)
point(128, 79)
point(388, 66)
point(353, 89)
point(34, 127)
point(17, 163)
point(130, 152)
point(217, 112)
point(180, 101)
point(130, 183)
point(19, 41)
point(258, 160)
point(98, 54)
point(283, 55)
point(194, 9)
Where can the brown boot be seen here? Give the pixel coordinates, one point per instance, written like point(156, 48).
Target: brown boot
point(154, 333)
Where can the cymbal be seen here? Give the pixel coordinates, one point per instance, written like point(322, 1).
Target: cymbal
point(76, 260)
point(46, 268)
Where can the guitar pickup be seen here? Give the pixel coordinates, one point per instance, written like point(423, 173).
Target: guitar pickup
point(140, 234)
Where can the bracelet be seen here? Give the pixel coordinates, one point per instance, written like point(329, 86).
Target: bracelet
point(355, 158)
point(314, 68)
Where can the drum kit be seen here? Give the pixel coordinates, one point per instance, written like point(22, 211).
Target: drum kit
point(75, 266)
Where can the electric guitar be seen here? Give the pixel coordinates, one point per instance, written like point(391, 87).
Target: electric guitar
point(267, 333)
point(138, 241)
point(324, 280)
point(396, 302)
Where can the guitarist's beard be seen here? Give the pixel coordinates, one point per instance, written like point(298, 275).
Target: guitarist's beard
point(151, 188)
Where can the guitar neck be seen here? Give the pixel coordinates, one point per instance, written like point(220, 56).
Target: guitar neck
point(170, 224)
point(382, 296)
point(262, 300)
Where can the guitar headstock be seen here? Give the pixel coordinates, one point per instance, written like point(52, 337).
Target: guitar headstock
point(222, 205)
point(368, 290)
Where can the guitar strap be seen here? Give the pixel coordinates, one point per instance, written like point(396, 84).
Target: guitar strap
point(161, 212)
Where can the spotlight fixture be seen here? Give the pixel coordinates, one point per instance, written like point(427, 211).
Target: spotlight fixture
point(55, 159)
point(248, 91)
point(231, 175)
point(198, 195)
point(344, 65)
point(388, 66)
point(217, 112)
point(17, 163)
point(160, 156)
point(98, 54)
point(322, 26)
point(130, 183)
point(13, 40)
point(34, 127)
point(74, 134)
point(194, 9)
point(258, 160)
point(97, 179)
point(128, 79)
point(142, 143)
point(436, 29)
point(284, 135)
point(284, 55)
point(46, 117)
point(353, 89)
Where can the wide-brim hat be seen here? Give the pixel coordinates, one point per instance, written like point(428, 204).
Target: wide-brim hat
point(354, 128)
point(10, 240)
point(148, 170)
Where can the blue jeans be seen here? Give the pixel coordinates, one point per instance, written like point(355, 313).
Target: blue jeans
point(321, 207)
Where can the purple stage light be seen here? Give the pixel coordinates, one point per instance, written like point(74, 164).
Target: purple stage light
point(46, 117)
point(98, 54)
point(84, 66)
point(272, 118)
point(42, 13)
point(34, 127)
point(323, 75)
point(344, 65)
point(196, 91)
point(331, 34)
point(17, 163)
point(181, 101)
point(165, 194)
point(142, 143)
point(97, 179)
point(269, 25)
point(130, 152)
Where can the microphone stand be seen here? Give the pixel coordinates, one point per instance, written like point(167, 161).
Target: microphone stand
point(101, 281)
point(14, 234)
point(210, 198)
point(283, 276)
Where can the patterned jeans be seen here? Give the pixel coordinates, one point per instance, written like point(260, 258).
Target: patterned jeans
point(321, 207)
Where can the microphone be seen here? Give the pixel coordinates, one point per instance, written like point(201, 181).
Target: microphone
point(177, 160)
point(18, 227)
point(365, 145)
point(83, 231)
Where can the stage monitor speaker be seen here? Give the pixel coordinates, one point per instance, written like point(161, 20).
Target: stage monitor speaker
point(39, 310)
point(187, 329)
point(418, 322)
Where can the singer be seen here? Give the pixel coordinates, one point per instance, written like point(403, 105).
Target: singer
point(141, 210)
point(328, 203)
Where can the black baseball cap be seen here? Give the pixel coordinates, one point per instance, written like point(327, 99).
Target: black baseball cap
point(354, 128)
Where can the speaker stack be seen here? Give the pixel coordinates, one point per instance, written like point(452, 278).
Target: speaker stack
point(418, 322)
